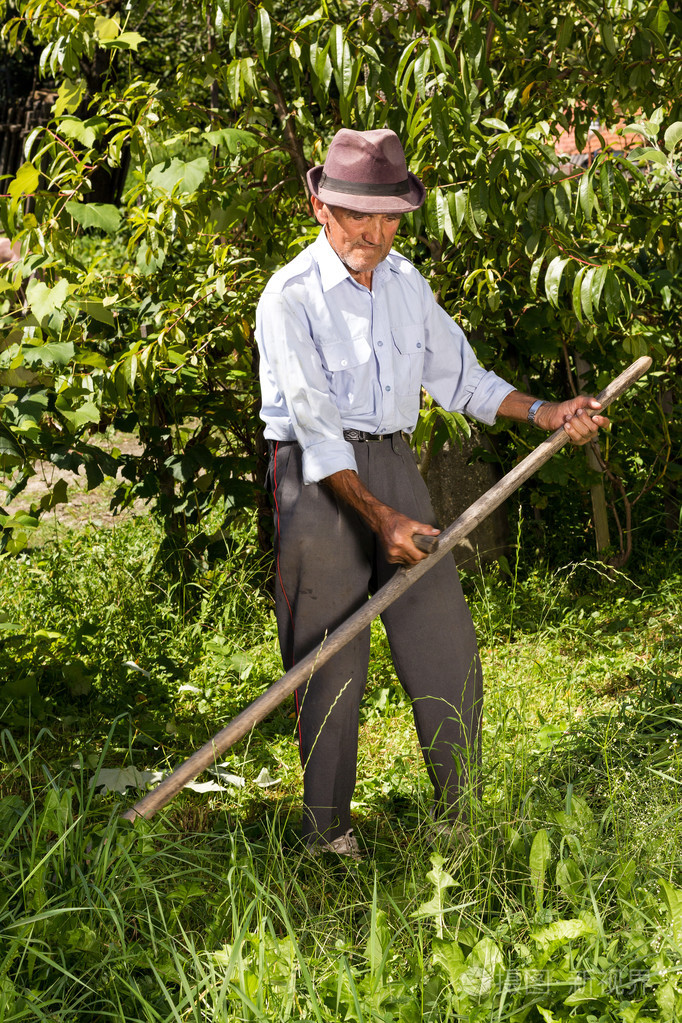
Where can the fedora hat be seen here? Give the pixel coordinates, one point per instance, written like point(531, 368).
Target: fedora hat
point(365, 171)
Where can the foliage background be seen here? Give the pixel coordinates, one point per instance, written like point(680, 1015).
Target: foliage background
point(169, 185)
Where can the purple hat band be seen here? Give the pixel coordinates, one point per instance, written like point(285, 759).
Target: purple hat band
point(366, 171)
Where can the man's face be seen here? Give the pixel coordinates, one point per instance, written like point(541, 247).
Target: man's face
point(361, 240)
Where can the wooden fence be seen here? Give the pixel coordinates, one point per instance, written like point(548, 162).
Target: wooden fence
point(18, 118)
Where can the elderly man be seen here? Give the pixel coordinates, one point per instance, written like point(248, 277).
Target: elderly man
point(348, 333)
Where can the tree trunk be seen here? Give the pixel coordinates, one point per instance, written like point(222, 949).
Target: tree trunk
point(597, 490)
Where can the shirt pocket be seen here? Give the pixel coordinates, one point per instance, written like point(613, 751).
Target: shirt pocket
point(409, 344)
point(347, 365)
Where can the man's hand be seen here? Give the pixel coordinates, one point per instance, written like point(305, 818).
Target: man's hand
point(394, 530)
point(572, 415)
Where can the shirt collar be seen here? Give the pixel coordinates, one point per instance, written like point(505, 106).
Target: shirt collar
point(332, 270)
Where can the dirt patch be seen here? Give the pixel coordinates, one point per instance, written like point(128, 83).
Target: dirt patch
point(83, 505)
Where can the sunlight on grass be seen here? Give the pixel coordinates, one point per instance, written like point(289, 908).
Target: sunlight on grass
point(567, 902)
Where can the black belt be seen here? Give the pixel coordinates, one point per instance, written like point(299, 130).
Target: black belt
point(357, 435)
point(361, 435)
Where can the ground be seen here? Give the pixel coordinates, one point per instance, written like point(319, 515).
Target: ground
point(83, 506)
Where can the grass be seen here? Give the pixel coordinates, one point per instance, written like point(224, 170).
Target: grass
point(567, 904)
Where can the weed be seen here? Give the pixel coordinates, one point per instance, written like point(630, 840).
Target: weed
point(567, 902)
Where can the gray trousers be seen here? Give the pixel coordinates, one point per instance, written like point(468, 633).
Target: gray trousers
point(327, 563)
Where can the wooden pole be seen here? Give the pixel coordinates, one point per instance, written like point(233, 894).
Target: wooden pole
point(401, 581)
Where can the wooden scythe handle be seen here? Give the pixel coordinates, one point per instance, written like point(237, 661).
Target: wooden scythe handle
point(394, 588)
point(425, 543)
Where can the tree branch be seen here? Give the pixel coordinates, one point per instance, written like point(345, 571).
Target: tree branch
point(294, 144)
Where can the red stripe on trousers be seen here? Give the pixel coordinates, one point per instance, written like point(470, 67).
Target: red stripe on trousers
point(281, 583)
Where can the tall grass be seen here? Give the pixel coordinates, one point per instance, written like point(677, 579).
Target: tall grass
point(566, 904)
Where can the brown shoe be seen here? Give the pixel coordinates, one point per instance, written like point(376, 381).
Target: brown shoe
point(344, 845)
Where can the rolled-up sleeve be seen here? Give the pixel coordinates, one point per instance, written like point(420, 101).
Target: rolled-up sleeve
point(295, 388)
point(452, 373)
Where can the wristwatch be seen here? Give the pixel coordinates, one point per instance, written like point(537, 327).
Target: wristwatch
point(533, 410)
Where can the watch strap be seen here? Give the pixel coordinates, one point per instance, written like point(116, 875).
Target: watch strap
point(532, 411)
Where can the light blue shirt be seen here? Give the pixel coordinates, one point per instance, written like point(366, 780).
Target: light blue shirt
point(335, 356)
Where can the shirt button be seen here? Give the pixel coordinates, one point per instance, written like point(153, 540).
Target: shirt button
point(388, 388)
point(380, 344)
point(419, 344)
point(344, 362)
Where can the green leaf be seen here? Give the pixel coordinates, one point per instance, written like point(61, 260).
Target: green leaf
point(309, 19)
point(342, 61)
point(561, 931)
point(638, 128)
point(586, 195)
point(106, 29)
point(73, 128)
point(494, 122)
point(31, 406)
point(321, 65)
point(553, 279)
point(263, 34)
point(538, 861)
point(564, 34)
point(234, 81)
point(469, 217)
point(536, 209)
point(22, 519)
point(98, 311)
point(673, 902)
point(379, 938)
point(127, 41)
point(441, 880)
point(605, 176)
point(101, 215)
point(87, 413)
point(69, 97)
point(586, 292)
point(94, 359)
point(637, 278)
point(8, 448)
point(25, 181)
point(58, 495)
point(421, 68)
point(235, 139)
point(621, 186)
point(457, 202)
point(612, 295)
point(43, 300)
point(186, 177)
point(575, 297)
point(435, 213)
point(402, 64)
point(487, 955)
point(562, 202)
point(438, 53)
point(449, 956)
point(598, 284)
point(650, 154)
point(535, 273)
point(58, 353)
point(593, 991)
point(672, 136)
point(570, 880)
point(607, 37)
